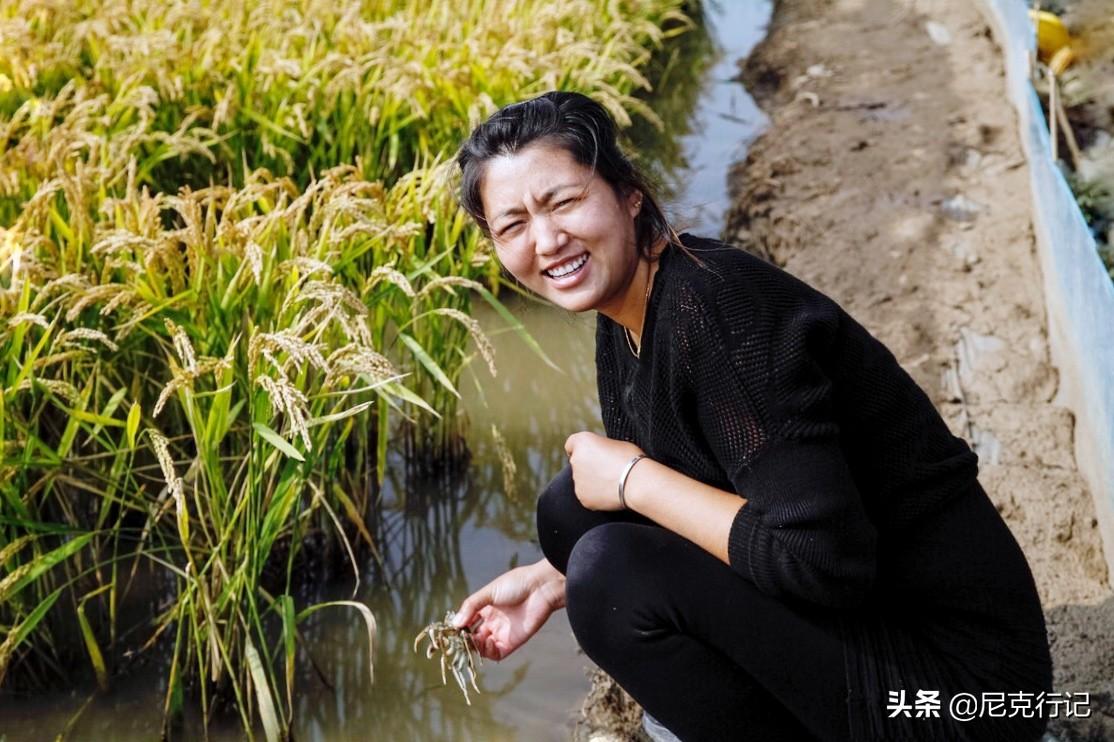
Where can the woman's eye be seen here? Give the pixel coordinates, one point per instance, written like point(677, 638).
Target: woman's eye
point(565, 202)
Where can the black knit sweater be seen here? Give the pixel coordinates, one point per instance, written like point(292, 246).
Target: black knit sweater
point(754, 382)
point(861, 504)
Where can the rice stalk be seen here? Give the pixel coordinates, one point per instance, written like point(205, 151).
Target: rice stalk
point(238, 219)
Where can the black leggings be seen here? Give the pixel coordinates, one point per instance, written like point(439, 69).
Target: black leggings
point(711, 657)
point(685, 635)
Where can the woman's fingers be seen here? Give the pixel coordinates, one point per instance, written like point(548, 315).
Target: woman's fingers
point(466, 616)
point(483, 636)
point(485, 645)
point(491, 649)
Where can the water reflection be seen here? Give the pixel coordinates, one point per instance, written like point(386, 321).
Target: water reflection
point(710, 118)
point(451, 536)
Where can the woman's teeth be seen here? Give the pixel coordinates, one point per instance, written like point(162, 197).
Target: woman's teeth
point(567, 268)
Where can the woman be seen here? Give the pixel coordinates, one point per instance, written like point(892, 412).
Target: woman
point(778, 537)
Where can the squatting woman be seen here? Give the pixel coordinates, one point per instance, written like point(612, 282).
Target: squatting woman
point(777, 537)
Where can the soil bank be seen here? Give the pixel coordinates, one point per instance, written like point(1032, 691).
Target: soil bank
point(891, 179)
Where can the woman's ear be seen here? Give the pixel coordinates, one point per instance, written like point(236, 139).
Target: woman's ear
point(634, 202)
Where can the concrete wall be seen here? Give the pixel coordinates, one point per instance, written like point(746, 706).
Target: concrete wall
point(1078, 292)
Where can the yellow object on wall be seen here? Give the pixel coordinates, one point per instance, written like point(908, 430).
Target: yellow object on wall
point(1052, 38)
point(1061, 59)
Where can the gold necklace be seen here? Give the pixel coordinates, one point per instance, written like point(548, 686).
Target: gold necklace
point(645, 304)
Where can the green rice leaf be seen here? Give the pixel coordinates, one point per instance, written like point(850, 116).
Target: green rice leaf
point(427, 361)
point(266, 123)
point(93, 417)
point(113, 403)
point(408, 395)
point(278, 513)
point(132, 424)
point(518, 327)
point(354, 410)
point(369, 622)
point(91, 646)
point(73, 424)
point(382, 440)
point(354, 516)
point(23, 576)
point(262, 693)
point(23, 630)
point(289, 642)
point(3, 436)
point(29, 360)
point(278, 441)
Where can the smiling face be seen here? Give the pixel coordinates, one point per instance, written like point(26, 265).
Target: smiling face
point(561, 230)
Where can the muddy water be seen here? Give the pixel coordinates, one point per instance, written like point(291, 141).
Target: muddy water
point(726, 119)
point(444, 535)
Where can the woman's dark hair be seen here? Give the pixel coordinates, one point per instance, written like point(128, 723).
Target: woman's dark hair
point(583, 128)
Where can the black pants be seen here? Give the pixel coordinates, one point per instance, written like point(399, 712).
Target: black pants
point(711, 657)
point(685, 635)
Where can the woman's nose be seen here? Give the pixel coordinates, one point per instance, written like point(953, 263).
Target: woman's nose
point(549, 237)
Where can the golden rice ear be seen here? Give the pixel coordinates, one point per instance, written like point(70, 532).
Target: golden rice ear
point(91, 296)
point(390, 275)
point(510, 469)
point(182, 345)
point(447, 283)
point(288, 401)
point(483, 343)
point(90, 185)
point(30, 317)
point(357, 360)
point(83, 333)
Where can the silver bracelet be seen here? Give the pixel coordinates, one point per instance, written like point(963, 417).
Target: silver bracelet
point(623, 479)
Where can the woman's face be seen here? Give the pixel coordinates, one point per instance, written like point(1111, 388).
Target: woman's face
point(560, 229)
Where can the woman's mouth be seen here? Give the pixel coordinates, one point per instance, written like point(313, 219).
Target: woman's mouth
point(568, 269)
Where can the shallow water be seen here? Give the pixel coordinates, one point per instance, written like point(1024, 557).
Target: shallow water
point(726, 119)
point(445, 536)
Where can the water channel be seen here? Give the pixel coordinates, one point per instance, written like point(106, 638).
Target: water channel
point(444, 536)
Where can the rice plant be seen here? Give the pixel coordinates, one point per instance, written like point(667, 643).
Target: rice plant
point(231, 264)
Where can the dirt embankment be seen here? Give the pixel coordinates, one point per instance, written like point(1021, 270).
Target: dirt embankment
point(891, 178)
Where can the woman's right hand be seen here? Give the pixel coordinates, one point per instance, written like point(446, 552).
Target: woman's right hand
point(513, 607)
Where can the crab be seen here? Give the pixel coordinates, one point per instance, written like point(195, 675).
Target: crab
point(456, 646)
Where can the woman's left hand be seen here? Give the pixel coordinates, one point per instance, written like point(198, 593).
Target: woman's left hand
point(597, 462)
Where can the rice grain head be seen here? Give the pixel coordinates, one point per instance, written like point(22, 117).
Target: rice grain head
point(182, 345)
point(288, 401)
point(483, 343)
point(510, 469)
point(298, 351)
point(357, 360)
point(58, 387)
point(31, 317)
point(447, 283)
point(161, 447)
point(254, 254)
point(390, 275)
point(84, 333)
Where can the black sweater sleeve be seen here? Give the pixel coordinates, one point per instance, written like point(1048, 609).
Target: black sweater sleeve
point(765, 408)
